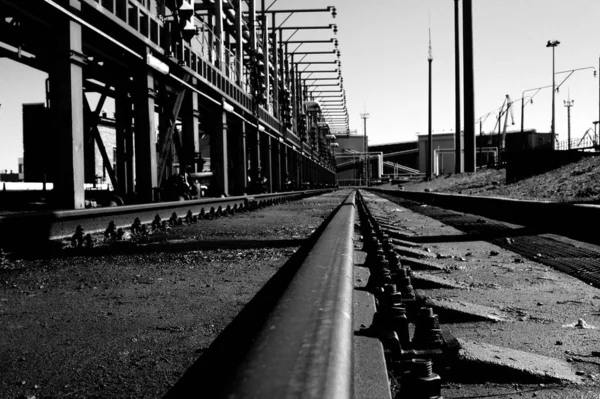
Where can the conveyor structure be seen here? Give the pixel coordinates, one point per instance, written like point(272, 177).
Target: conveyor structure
point(197, 86)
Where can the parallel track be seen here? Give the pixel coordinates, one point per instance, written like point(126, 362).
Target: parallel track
point(34, 228)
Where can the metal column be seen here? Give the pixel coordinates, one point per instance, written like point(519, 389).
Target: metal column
point(457, 136)
point(239, 43)
point(190, 118)
point(124, 138)
point(265, 43)
point(218, 155)
point(285, 169)
point(469, 87)
point(146, 176)
point(276, 162)
point(275, 51)
point(255, 160)
point(267, 163)
point(66, 102)
point(218, 10)
point(238, 160)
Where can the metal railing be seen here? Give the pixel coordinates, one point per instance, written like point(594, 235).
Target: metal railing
point(205, 44)
point(581, 143)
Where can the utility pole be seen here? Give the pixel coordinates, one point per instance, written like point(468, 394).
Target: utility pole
point(469, 87)
point(365, 116)
point(553, 44)
point(429, 128)
point(457, 138)
point(569, 103)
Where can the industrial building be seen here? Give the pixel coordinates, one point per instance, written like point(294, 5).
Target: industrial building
point(211, 88)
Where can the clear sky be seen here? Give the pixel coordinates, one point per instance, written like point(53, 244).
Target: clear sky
point(384, 45)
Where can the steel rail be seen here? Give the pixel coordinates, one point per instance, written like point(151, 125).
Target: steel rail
point(40, 226)
point(305, 347)
point(552, 217)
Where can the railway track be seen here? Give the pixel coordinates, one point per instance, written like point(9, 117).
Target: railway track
point(261, 305)
point(36, 228)
point(459, 291)
point(213, 282)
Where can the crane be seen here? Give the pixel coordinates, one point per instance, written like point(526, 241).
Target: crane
point(505, 110)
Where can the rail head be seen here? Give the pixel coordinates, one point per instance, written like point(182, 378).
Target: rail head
point(305, 348)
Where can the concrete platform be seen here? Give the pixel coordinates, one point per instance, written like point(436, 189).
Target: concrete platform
point(422, 280)
point(459, 311)
point(485, 362)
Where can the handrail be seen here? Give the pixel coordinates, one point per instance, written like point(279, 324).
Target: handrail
point(305, 347)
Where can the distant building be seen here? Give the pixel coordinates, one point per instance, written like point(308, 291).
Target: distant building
point(398, 158)
point(9, 176)
point(486, 152)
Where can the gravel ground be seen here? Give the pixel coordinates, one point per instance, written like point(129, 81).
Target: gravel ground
point(578, 182)
point(127, 319)
point(539, 304)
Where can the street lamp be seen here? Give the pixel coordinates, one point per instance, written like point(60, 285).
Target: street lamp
point(569, 103)
point(553, 44)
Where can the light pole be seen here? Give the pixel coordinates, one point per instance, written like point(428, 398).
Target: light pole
point(429, 129)
point(553, 44)
point(569, 103)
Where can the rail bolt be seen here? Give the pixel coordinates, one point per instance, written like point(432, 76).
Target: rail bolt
point(427, 329)
point(77, 238)
point(173, 219)
point(398, 322)
point(390, 341)
point(189, 217)
point(111, 230)
point(420, 382)
point(136, 227)
point(157, 222)
point(88, 241)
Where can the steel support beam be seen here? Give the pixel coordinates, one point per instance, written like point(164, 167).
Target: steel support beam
point(254, 154)
point(458, 163)
point(219, 49)
point(240, 172)
point(170, 134)
point(146, 176)
point(190, 129)
point(66, 102)
point(92, 127)
point(124, 138)
point(267, 161)
point(285, 170)
point(219, 156)
point(275, 54)
point(469, 87)
point(276, 162)
point(265, 44)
